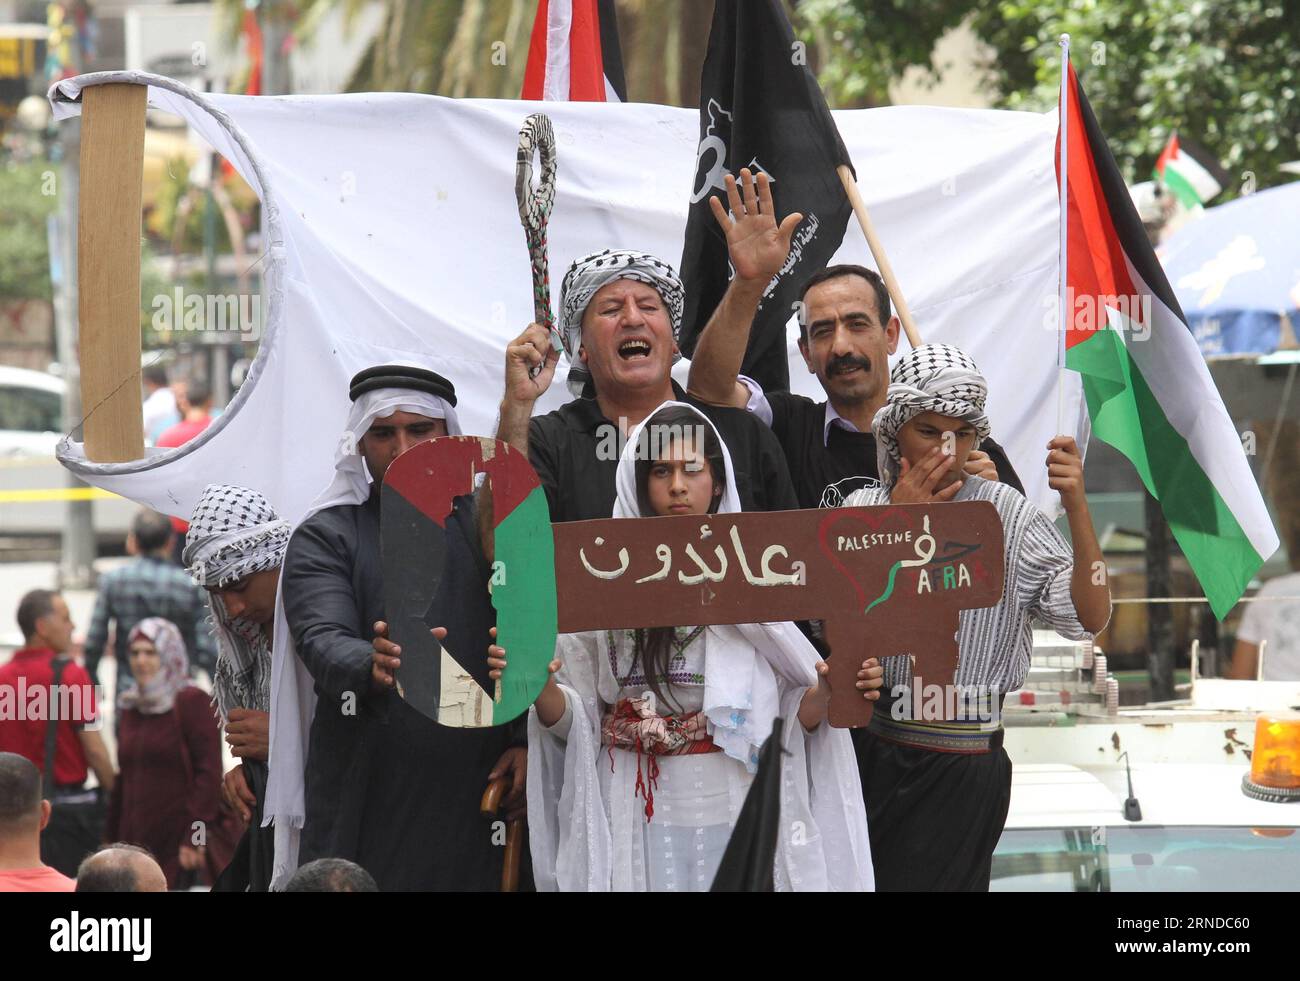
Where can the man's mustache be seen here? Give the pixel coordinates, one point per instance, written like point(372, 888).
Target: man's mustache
point(845, 362)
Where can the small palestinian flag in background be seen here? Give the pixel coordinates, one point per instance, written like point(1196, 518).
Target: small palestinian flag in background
point(1148, 389)
point(1191, 174)
point(574, 54)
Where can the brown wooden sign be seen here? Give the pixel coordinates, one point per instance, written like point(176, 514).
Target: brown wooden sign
point(886, 580)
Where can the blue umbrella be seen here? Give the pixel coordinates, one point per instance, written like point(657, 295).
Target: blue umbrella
point(1236, 272)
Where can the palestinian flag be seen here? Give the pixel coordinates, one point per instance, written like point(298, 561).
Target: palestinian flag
point(1189, 172)
point(574, 53)
point(1148, 390)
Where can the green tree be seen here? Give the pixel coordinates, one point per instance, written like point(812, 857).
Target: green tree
point(861, 46)
point(26, 199)
point(1224, 73)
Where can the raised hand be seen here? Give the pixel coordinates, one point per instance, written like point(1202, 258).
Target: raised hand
point(756, 244)
point(525, 353)
point(1065, 472)
point(550, 700)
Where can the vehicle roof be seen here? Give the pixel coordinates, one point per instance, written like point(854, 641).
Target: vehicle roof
point(11, 377)
point(1054, 795)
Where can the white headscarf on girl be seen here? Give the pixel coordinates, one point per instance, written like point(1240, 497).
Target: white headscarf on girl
point(740, 694)
point(293, 692)
point(741, 700)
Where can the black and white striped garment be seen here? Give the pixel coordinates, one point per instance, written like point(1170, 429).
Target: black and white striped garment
point(994, 643)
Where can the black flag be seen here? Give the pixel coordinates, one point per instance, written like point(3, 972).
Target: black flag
point(761, 108)
point(746, 865)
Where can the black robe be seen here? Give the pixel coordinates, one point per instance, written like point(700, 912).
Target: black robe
point(386, 787)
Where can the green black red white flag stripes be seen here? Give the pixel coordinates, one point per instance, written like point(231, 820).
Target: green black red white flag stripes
point(1148, 390)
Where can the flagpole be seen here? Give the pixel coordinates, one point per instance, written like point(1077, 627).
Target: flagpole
point(1065, 214)
point(878, 253)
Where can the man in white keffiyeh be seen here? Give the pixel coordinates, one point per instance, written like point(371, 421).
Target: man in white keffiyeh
point(356, 772)
point(234, 549)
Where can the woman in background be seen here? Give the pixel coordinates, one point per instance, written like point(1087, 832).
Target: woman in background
point(169, 753)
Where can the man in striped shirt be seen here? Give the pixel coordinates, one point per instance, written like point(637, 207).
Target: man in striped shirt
point(937, 794)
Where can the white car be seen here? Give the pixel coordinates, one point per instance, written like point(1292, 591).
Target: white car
point(31, 413)
point(31, 425)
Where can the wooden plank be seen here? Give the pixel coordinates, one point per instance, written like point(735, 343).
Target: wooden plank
point(108, 271)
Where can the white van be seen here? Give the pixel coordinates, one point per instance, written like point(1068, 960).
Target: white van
point(31, 413)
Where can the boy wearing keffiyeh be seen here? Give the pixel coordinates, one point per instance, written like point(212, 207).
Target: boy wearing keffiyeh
point(937, 795)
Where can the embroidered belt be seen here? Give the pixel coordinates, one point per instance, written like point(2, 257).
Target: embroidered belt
point(967, 738)
point(633, 726)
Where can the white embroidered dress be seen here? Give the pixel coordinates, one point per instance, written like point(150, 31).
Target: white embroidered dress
point(588, 829)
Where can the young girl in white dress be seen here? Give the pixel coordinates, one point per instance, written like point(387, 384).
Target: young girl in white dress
point(644, 742)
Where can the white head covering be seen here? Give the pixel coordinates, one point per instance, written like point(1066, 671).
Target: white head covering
point(820, 789)
point(741, 662)
point(588, 274)
point(930, 378)
point(293, 694)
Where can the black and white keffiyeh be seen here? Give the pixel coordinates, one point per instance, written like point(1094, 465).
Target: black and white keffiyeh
point(589, 274)
point(930, 378)
point(233, 534)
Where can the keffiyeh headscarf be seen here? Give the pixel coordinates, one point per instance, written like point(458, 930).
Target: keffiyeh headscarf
point(158, 694)
point(930, 378)
point(235, 533)
point(589, 274)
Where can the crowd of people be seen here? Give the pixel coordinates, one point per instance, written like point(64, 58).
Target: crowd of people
point(632, 766)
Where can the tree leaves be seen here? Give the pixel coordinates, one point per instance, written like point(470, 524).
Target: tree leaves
point(1221, 73)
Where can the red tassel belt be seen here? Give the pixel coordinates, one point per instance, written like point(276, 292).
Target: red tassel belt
point(633, 726)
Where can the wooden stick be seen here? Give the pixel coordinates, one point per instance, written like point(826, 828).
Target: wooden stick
point(878, 253)
point(488, 808)
point(108, 271)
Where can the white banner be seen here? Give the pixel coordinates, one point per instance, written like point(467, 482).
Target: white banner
point(393, 233)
